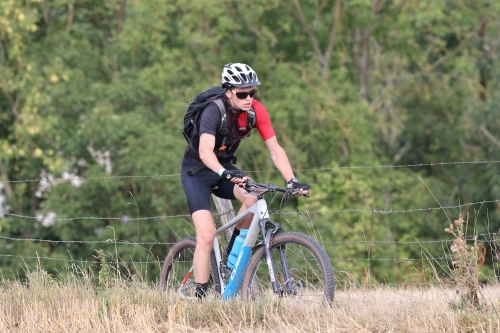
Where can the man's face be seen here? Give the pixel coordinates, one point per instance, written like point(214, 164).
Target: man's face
point(243, 104)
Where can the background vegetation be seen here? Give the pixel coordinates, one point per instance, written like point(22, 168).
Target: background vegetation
point(98, 89)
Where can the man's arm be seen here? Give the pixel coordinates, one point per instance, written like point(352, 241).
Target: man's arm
point(208, 157)
point(206, 151)
point(281, 162)
point(279, 158)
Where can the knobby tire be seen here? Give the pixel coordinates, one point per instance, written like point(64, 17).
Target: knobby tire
point(312, 277)
point(177, 264)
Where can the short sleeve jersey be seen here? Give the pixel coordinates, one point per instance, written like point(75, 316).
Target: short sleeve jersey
point(211, 121)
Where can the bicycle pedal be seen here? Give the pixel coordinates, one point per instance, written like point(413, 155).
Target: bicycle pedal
point(225, 272)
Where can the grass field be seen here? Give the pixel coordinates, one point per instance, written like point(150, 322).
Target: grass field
point(78, 304)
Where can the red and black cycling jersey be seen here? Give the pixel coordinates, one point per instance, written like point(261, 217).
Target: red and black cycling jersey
point(210, 123)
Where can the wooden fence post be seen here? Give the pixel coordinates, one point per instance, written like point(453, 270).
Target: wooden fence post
point(226, 213)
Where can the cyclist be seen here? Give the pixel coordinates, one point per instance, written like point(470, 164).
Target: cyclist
point(215, 151)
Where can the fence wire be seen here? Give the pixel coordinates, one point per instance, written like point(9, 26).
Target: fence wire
point(258, 171)
point(396, 260)
point(480, 237)
point(343, 285)
point(443, 261)
point(184, 216)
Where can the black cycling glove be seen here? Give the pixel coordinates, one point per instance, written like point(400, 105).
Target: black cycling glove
point(296, 186)
point(230, 174)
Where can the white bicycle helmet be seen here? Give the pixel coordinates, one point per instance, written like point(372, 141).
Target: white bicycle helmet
point(239, 75)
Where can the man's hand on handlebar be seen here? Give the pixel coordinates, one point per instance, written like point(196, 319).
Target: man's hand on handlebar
point(298, 188)
point(235, 176)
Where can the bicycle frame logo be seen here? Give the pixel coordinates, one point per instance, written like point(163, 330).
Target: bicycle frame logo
point(238, 273)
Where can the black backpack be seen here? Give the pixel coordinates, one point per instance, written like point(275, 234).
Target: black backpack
point(194, 111)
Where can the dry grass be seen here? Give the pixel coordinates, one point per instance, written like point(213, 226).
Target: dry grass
point(78, 304)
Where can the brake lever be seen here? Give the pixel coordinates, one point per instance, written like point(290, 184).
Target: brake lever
point(297, 193)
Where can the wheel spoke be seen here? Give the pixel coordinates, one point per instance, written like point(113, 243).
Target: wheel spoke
point(176, 275)
point(301, 266)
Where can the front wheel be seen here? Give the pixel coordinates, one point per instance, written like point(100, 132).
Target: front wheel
point(302, 270)
point(177, 271)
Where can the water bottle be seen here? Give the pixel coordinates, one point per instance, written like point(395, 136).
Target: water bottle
point(235, 251)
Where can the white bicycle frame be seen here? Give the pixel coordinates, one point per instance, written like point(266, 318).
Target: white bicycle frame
point(260, 212)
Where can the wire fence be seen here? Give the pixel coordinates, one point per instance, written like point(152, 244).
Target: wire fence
point(362, 259)
point(164, 217)
point(344, 283)
point(160, 262)
point(486, 238)
point(343, 280)
point(443, 258)
point(259, 171)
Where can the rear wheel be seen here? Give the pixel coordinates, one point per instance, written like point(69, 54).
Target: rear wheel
point(177, 273)
point(302, 270)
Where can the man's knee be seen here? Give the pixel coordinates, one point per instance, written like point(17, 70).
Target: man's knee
point(205, 229)
point(249, 200)
point(205, 239)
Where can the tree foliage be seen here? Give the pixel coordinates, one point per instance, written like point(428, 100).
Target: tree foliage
point(98, 89)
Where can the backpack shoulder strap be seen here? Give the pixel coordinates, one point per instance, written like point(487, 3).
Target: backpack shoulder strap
point(223, 117)
point(251, 119)
point(223, 122)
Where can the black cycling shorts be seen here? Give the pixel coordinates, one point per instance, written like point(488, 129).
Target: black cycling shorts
point(198, 186)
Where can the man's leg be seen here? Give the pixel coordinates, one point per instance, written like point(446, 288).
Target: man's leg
point(246, 202)
point(205, 234)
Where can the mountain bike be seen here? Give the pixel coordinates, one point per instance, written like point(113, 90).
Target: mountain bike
point(281, 265)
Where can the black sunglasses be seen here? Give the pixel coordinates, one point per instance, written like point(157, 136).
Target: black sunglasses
point(245, 94)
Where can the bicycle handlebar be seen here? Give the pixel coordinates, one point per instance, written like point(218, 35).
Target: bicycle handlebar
point(257, 188)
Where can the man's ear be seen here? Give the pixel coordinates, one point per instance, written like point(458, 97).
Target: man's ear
point(228, 93)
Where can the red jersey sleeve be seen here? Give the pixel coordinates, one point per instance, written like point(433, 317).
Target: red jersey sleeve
point(263, 121)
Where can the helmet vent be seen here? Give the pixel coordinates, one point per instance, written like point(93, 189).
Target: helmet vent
point(239, 75)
